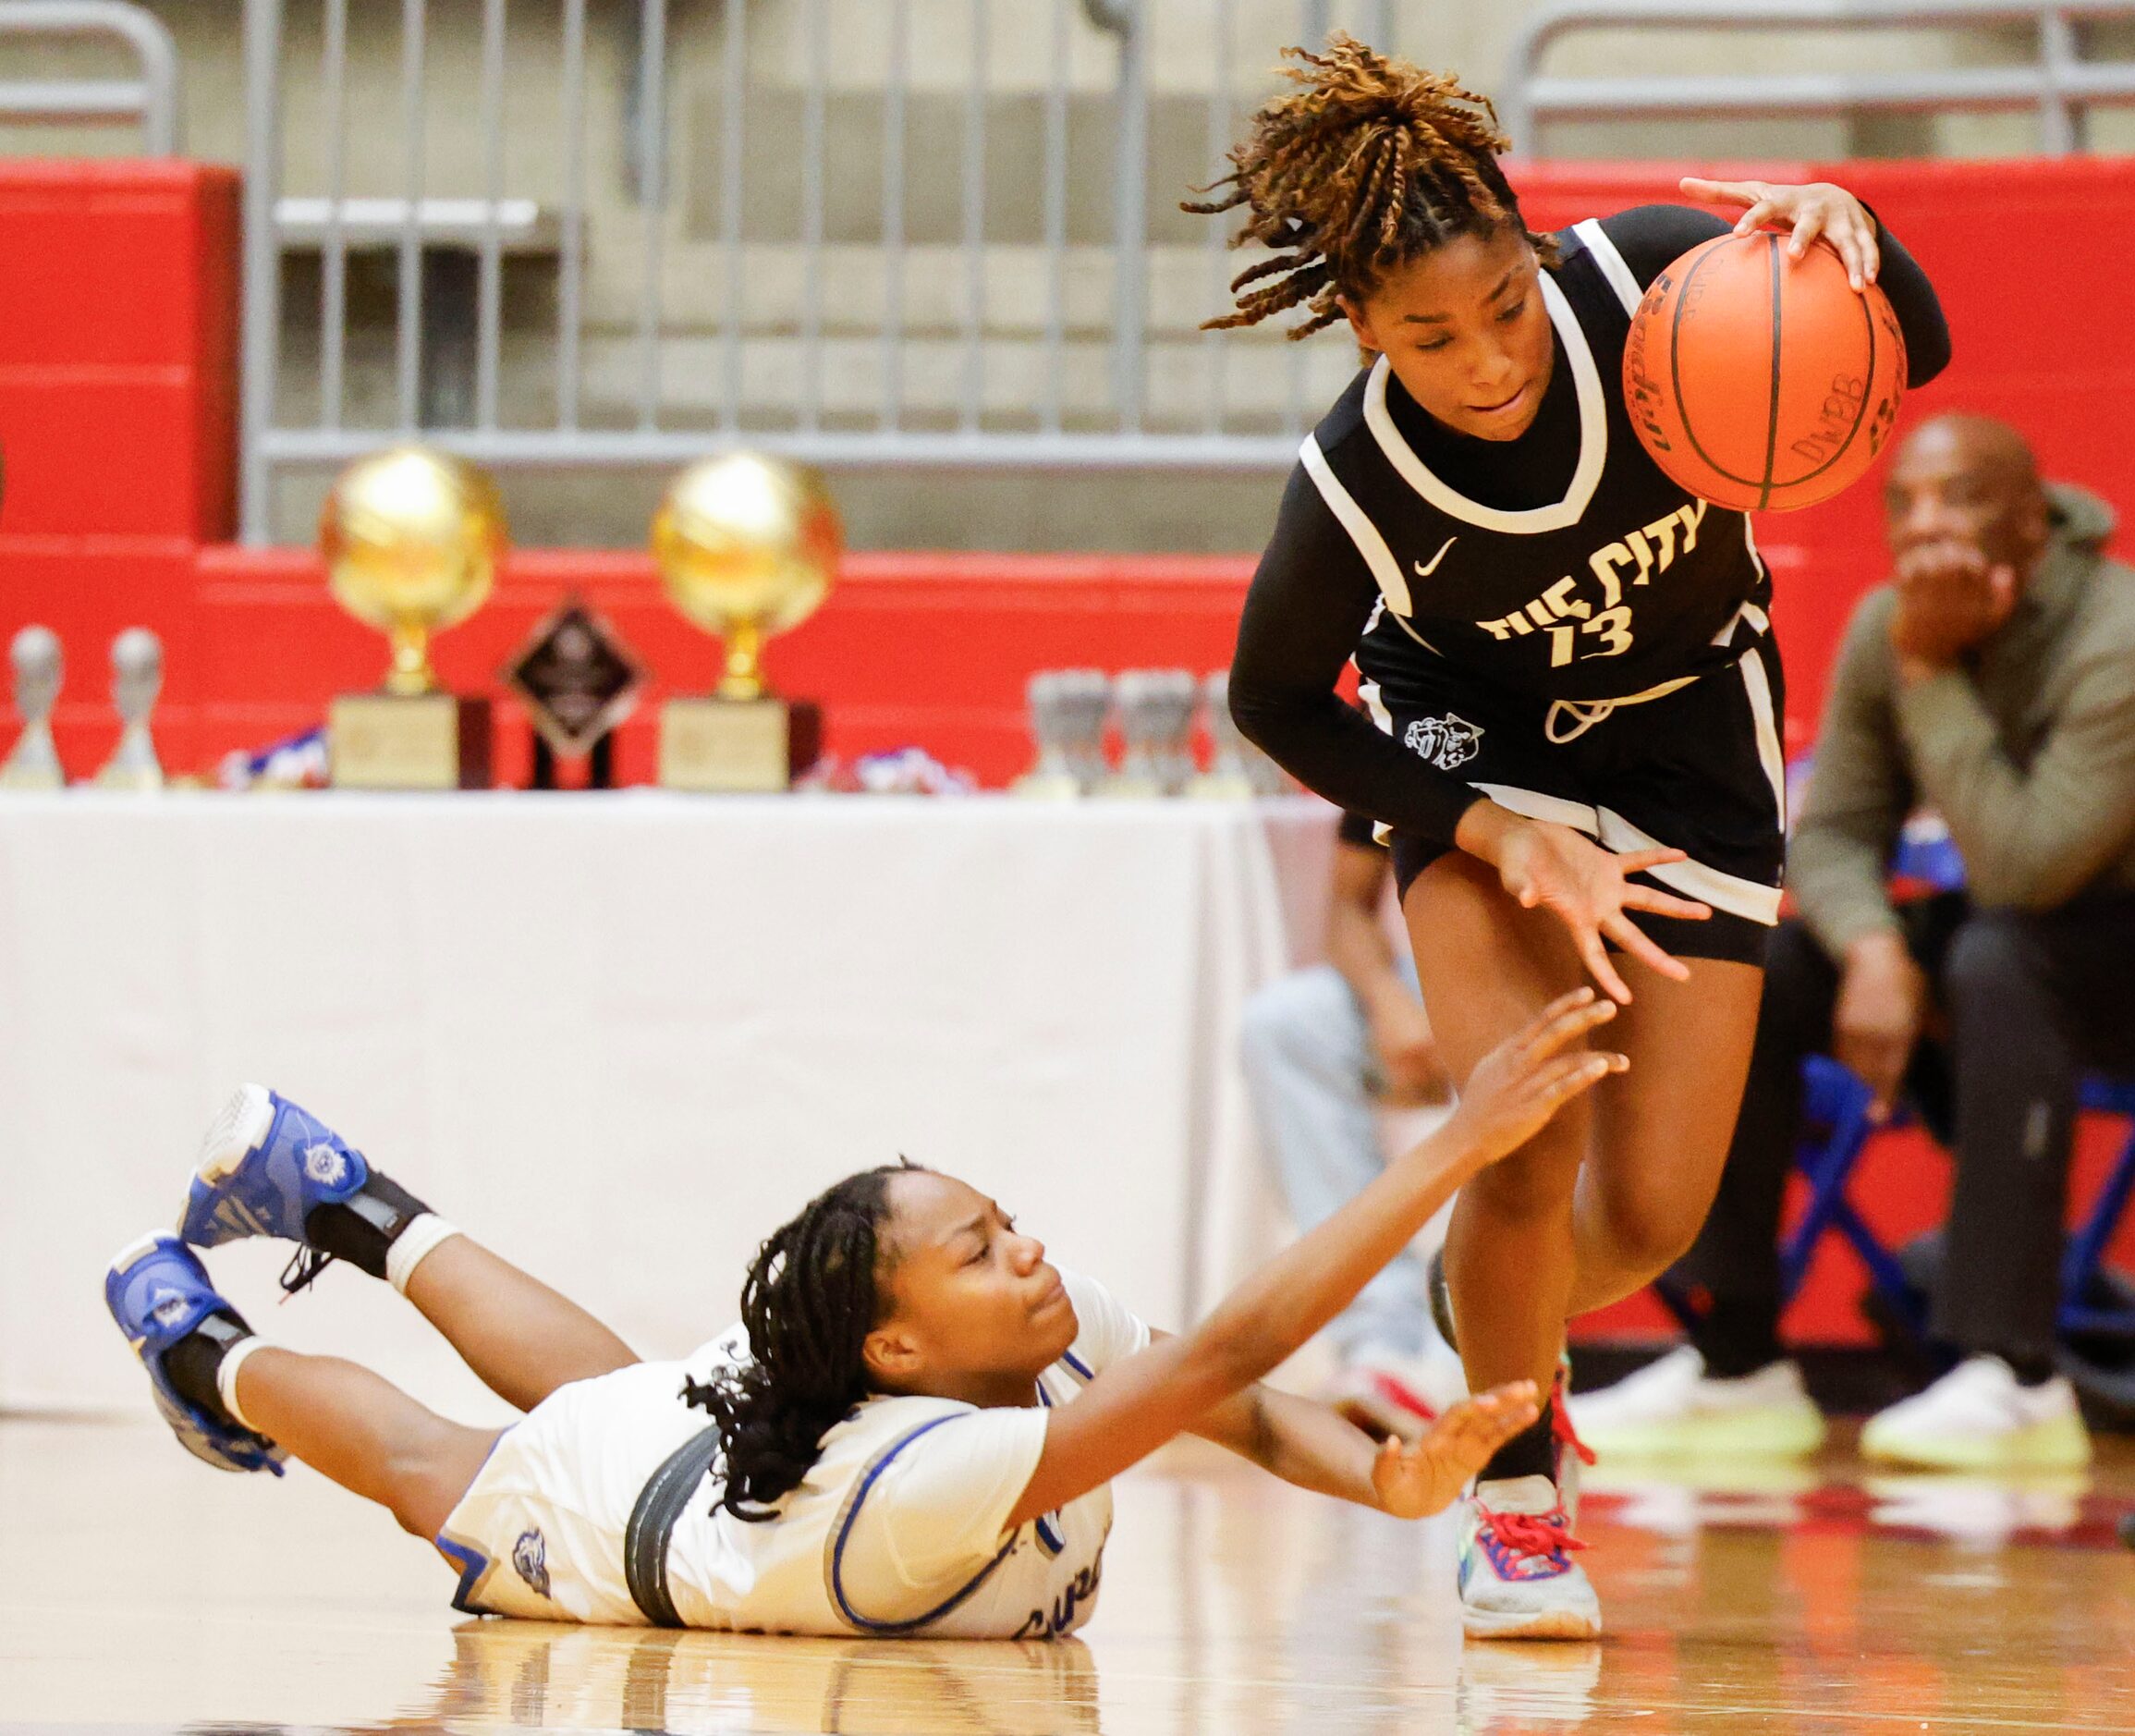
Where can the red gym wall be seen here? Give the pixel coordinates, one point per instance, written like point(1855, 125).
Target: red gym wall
point(118, 399)
point(118, 419)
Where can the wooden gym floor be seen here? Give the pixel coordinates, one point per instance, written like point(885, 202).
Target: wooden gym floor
point(141, 1592)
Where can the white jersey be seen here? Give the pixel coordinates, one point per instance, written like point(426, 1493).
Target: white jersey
point(900, 1528)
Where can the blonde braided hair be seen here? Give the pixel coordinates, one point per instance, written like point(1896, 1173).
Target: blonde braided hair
point(1367, 164)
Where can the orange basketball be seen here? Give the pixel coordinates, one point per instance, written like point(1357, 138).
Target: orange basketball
point(1760, 382)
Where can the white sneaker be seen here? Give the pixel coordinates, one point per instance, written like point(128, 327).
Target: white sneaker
point(1386, 1393)
point(1977, 1416)
point(1672, 1407)
point(1518, 1580)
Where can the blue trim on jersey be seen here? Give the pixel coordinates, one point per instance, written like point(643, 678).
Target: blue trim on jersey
point(471, 1562)
point(1077, 1365)
point(867, 1483)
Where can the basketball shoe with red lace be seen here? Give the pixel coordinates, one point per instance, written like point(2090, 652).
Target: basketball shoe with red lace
point(1518, 1580)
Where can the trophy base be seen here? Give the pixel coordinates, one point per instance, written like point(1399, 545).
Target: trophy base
point(737, 746)
point(31, 778)
point(408, 741)
point(34, 764)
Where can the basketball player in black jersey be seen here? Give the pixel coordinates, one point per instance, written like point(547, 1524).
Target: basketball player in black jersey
point(1568, 658)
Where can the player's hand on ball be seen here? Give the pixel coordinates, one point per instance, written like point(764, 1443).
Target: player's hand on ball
point(1525, 1080)
point(1817, 209)
point(1418, 1478)
point(1552, 867)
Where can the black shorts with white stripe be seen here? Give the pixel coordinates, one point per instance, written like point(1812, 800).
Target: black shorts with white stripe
point(1696, 768)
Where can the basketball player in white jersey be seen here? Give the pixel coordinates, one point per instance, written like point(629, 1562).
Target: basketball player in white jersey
point(1577, 761)
point(913, 1431)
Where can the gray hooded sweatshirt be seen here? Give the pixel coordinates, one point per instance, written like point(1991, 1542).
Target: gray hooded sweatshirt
point(2026, 746)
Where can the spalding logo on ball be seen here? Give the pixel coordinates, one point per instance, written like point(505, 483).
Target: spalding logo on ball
point(1759, 382)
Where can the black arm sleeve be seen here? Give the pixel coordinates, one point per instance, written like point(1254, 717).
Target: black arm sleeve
point(1652, 238)
point(1310, 600)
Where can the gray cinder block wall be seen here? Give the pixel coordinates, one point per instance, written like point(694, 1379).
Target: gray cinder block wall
point(1249, 374)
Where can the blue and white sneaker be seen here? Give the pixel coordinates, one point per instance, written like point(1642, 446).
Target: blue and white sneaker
point(1518, 1580)
point(265, 1167)
point(158, 1291)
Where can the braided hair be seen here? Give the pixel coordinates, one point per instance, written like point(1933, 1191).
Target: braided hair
point(1368, 163)
point(811, 1297)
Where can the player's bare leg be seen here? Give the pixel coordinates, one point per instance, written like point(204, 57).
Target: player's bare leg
point(1661, 1135)
point(269, 1167)
point(1486, 968)
point(243, 1405)
point(1615, 1190)
point(1597, 1204)
point(521, 1339)
point(362, 1432)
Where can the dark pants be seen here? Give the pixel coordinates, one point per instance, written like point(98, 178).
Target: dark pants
point(2027, 1001)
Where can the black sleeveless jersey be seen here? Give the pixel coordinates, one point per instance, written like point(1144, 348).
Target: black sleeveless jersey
point(1565, 567)
point(1625, 584)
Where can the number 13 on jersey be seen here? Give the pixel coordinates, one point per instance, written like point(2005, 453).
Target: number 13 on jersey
point(1575, 627)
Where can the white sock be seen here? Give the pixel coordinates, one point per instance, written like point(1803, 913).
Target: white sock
point(226, 1377)
point(414, 1245)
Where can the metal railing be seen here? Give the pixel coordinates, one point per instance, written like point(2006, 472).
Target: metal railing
point(2058, 83)
point(151, 100)
point(604, 233)
point(993, 295)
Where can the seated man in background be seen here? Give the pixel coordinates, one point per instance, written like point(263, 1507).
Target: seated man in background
point(1324, 1050)
point(1993, 680)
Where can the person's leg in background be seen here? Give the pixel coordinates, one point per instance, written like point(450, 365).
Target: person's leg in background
point(2029, 997)
point(1733, 1389)
point(1310, 1068)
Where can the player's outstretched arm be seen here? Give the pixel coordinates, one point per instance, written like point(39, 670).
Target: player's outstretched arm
point(1314, 1447)
point(1139, 1404)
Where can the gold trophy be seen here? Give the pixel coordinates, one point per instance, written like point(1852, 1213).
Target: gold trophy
point(411, 540)
point(748, 546)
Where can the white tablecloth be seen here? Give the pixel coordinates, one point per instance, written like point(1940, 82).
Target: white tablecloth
point(621, 1037)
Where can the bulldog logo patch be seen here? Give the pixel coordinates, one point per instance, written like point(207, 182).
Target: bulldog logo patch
point(1447, 742)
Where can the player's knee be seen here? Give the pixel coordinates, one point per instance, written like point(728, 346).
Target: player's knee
point(414, 1508)
point(425, 1475)
point(1649, 1233)
point(1537, 1181)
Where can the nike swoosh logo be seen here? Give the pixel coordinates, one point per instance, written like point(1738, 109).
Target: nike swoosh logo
point(1424, 572)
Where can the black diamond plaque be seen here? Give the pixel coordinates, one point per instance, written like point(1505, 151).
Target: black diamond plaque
point(577, 678)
